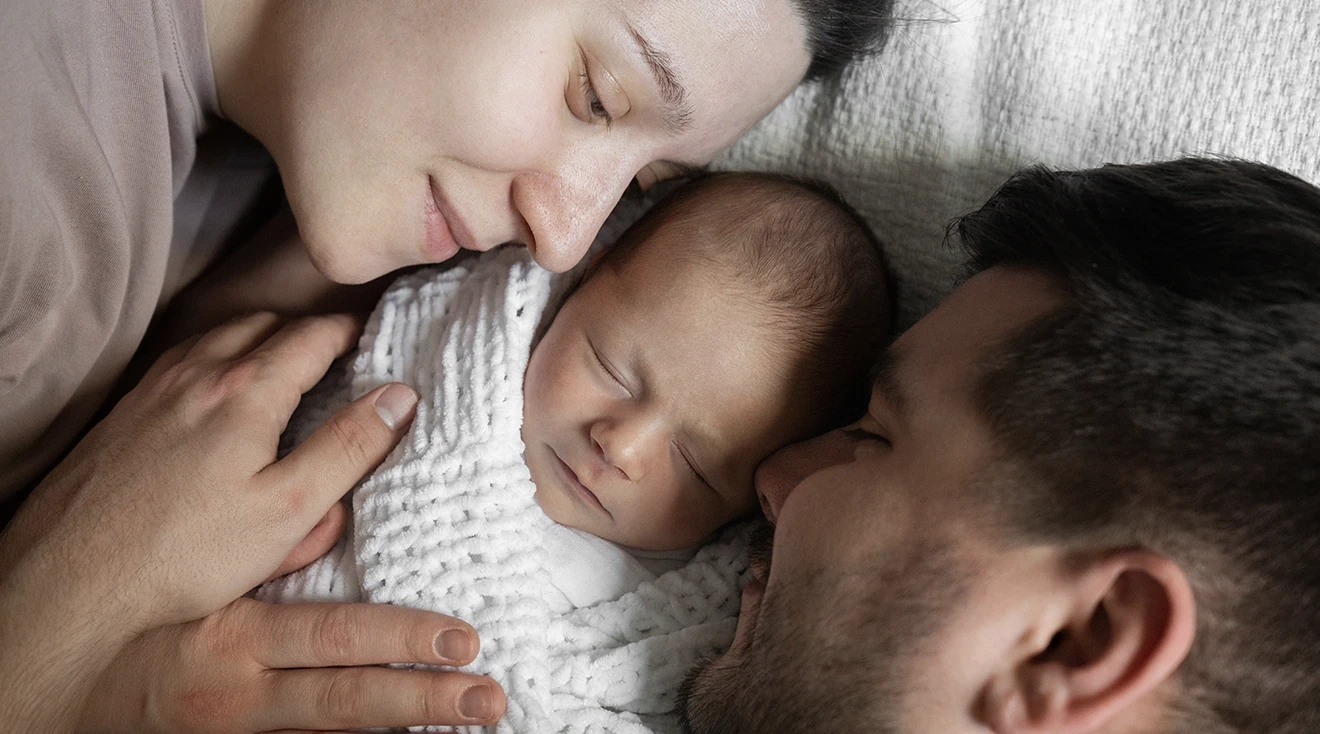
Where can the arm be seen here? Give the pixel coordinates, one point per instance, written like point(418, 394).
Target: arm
point(54, 649)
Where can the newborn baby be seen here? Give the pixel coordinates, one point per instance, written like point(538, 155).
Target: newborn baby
point(556, 497)
point(740, 315)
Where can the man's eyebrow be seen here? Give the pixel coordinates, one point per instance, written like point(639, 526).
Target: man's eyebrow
point(678, 112)
point(885, 380)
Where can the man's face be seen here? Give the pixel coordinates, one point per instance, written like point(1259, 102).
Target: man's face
point(881, 561)
point(406, 130)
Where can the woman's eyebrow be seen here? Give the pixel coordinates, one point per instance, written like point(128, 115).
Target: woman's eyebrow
point(678, 111)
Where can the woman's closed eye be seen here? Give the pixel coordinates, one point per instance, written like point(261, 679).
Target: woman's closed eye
point(588, 103)
point(595, 107)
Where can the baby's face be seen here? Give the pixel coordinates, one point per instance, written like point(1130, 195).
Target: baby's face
point(649, 403)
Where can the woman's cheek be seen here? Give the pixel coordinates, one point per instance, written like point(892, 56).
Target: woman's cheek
point(513, 116)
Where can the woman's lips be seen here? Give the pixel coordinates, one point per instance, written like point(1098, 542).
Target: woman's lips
point(579, 490)
point(440, 242)
point(445, 232)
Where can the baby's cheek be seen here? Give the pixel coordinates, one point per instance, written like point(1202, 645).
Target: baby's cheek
point(694, 522)
point(554, 506)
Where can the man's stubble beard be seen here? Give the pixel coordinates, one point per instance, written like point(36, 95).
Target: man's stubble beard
point(845, 673)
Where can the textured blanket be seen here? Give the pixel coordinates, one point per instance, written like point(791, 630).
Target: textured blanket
point(449, 522)
point(968, 91)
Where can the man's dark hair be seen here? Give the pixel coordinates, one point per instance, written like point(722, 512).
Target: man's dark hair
point(796, 252)
point(1173, 403)
point(842, 31)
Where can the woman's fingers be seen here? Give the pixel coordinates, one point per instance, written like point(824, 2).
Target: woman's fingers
point(350, 444)
point(236, 337)
point(212, 676)
point(293, 359)
point(304, 348)
point(317, 543)
point(171, 357)
point(317, 653)
point(358, 697)
point(325, 635)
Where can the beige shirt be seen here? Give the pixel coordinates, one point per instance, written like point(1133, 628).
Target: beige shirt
point(108, 201)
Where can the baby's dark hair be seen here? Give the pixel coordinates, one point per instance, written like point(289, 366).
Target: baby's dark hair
point(805, 259)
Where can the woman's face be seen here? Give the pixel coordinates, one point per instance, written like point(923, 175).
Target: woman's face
point(406, 130)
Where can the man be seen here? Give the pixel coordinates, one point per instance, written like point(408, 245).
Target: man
point(1085, 496)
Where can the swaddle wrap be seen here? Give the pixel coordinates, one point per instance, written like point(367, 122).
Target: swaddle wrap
point(449, 521)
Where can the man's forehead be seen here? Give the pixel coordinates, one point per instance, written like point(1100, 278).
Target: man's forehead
point(946, 346)
point(1005, 298)
point(982, 312)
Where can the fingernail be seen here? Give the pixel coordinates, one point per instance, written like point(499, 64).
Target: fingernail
point(394, 404)
point(454, 646)
point(476, 703)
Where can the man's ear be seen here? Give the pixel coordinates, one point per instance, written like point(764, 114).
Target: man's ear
point(1123, 629)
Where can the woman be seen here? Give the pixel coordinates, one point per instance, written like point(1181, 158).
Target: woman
point(402, 133)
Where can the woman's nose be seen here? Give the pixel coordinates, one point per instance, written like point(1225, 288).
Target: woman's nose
point(566, 208)
point(779, 475)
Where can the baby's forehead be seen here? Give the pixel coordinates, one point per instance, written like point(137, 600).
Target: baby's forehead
point(703, 350)
point(758, 264)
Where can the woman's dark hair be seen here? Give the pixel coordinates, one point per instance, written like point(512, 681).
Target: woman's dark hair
point(1173, 403)
point(842, 31)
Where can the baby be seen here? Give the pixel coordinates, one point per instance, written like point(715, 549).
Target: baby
point(740, 314)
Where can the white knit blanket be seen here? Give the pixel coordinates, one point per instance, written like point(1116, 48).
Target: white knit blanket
point(449, 521)
point(975, 89)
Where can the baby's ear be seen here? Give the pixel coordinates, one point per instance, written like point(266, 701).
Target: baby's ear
point(1131, 626)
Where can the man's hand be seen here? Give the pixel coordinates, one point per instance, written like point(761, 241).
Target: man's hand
point(255, 667)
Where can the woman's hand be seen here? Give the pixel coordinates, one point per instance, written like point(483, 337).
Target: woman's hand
point(177, 494)
point(174, 505)
point(254, 667)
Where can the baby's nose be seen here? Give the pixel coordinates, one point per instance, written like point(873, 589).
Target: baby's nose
point(631, 441)
point(624, 452)
point(611, 458)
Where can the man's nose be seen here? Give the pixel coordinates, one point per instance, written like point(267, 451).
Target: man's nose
point(779, 475)
point(624, 442)
point(564, 209)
